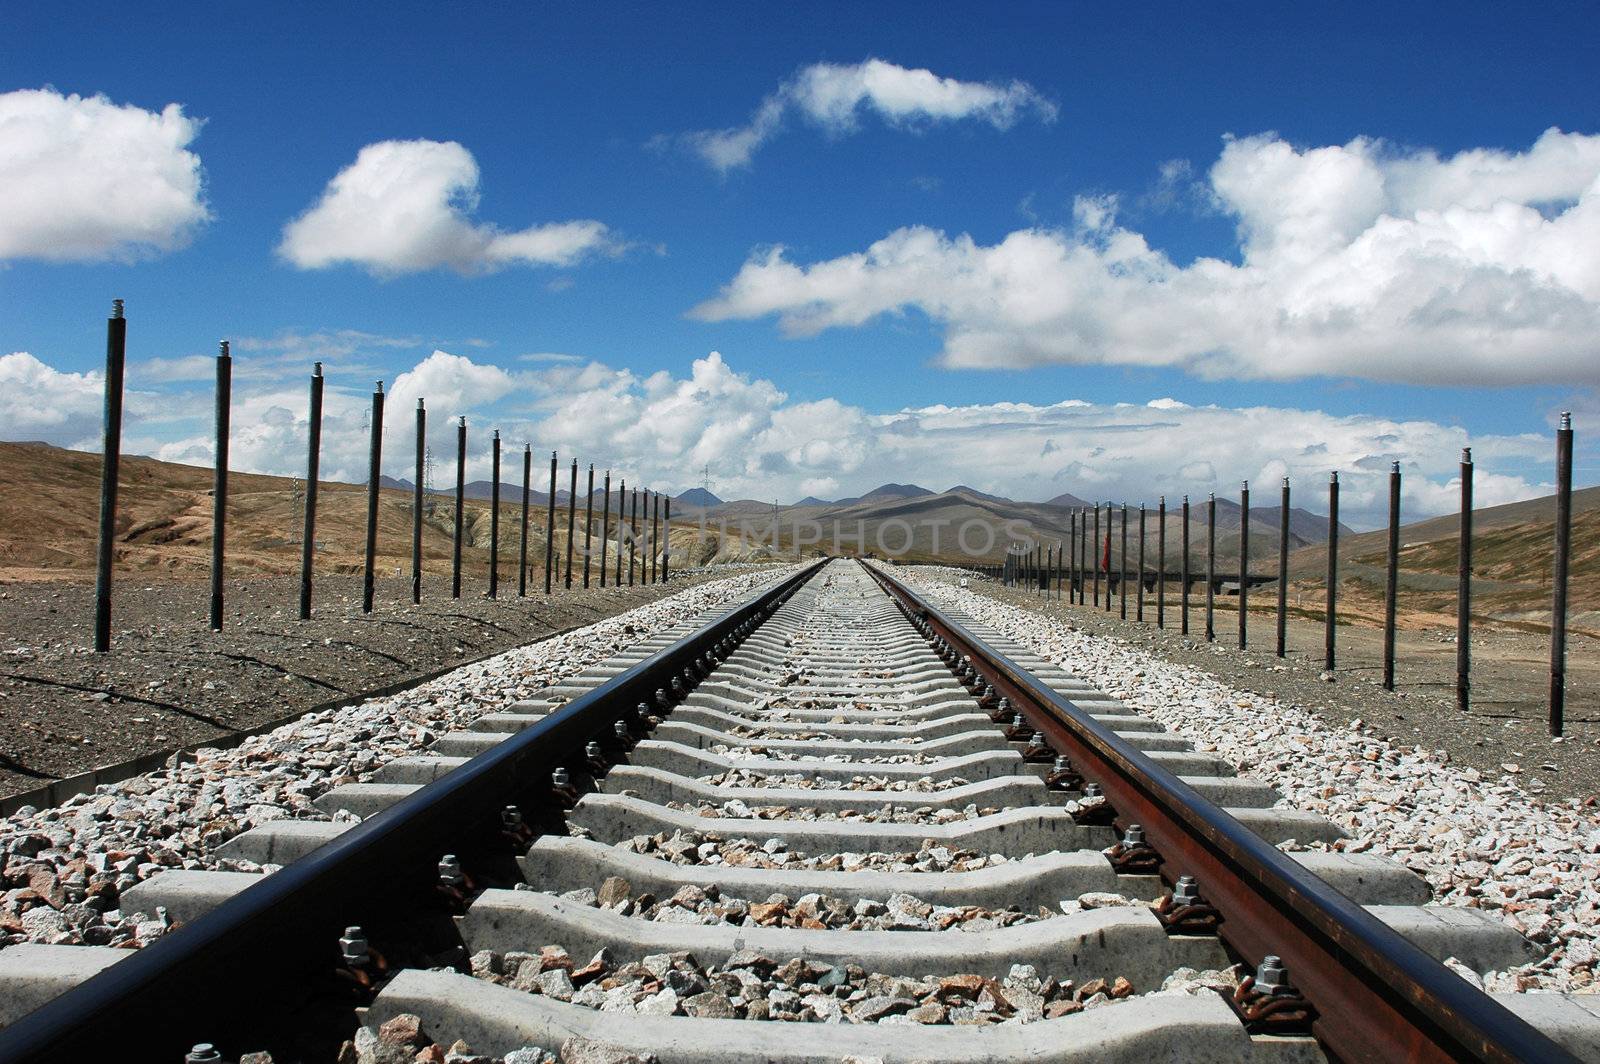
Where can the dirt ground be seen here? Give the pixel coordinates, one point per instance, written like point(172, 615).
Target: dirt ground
point(170, 681)
point(1504, 731)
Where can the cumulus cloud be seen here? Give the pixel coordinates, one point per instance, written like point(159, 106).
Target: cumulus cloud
point(662, 430)
point(85, 180)
point(833, 96)
point(406, 205)
point(1353, 260)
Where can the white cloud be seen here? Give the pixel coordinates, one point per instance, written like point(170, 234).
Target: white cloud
point(1355, 260)
point(832, 96)
point(85, 180)
point(405, 205)
point(662, 430)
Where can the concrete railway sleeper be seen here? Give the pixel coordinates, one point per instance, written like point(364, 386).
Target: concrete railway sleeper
point(827, 823)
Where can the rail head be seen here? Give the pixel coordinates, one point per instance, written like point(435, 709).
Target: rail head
point(273, 942)
point(1377, 995)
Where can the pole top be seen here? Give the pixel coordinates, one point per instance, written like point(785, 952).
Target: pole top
point(222, 349)
point(1212, 496)
point(116, 308)
point(379, 389)
point(497, 434)
point(1394, 467)
point(1466, 456)
point(316, 370)
point(1333, 477)
point(1286, 482)
point(462, 420)
point(1566, 420)
point(419, 402)
point(1163, 500)
point(1186, 498)
point(1244, 485)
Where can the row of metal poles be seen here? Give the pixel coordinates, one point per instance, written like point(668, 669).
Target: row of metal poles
point(1045, 568)
point(653, 567)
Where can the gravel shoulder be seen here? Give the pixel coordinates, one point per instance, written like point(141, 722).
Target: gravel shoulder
point(170, 682)
point(1483, 838)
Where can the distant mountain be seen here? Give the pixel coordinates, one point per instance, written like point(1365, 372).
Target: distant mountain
point(812, 500)
point(698, 497)
point(976, 494)
point(885, 492)
point(1070, 501)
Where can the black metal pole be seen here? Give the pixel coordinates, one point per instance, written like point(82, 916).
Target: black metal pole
point(1140, 610)
point(1097, 556)
point(666, 541)
point(219, 484)
point(1558, 578)
point(1283, 569)
point(1083, 556)
point(1244, 563)
point(110, 463)
point(1183, 573)
point(633, 535)
point(374, 466)
point(1464, 595)
point(1072, 557)
point(550, 529)
point(588, 525)
point(1161, 562)
point(1211, 567)
point(522, 549)
point(655, 537)
point(605, 528)
point(1391, 582)
point(494, 517)
point(1330, 613)
point(1122, 567)
point(622, 517)
point(416, 504)
point(308, 546)
point(461, 507)
point(572, 519)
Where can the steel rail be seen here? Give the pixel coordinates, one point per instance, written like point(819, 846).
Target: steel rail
point(270, 945)
point(1377, 995)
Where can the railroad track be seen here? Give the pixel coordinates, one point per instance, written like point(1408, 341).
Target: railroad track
point(828, 822)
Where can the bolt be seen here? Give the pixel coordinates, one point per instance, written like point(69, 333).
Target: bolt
point(450, 871)
point(1134, 836)
point(620, 728)
point(1037, 742)
point(1186, 891)
point(511, 817)
point(116, 312)
point(661, 698)
point(1005, 704)
point(203, 1052)
point(592, 750)
point(1017, 720)
point(1272, 977)
point(561, 777)
point(642, 711)
point(1093, 790)
point(353, 947)
point(1061, 763)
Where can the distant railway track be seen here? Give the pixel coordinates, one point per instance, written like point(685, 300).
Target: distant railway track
point(960, 833)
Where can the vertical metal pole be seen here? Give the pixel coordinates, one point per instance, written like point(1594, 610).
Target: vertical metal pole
point(1072, 556)
point(1083, 556)
point(522, 549)
point(572, 519)
point(1183, 573)
point(1558, 577)
point(110, 462)
point(1464, 596)
point(416, 504)
point(605, 529)
point(550, 528)
point(1097, 555)
point(1392, 576)
point(1211, 567)
point(461, 507)
point(666, 542)
point(308, 544)
point(1122, 567)
point(1244, 563)
point(494, 518)
point(622, 517)
point(588, 526)
point(219, 484)
point(633, 535)
point(1161, 562)
point(1330, 613)
point(1283, 569)
point(1140, 610)
point(374, 467)
point(655, 536)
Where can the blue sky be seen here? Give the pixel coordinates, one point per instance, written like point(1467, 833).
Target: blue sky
point(580, 113)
